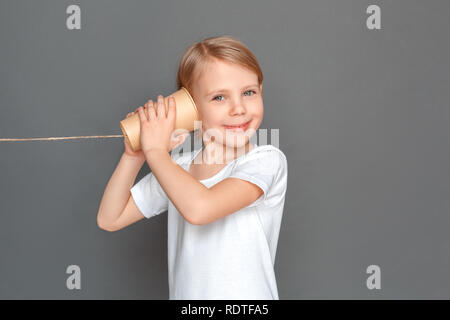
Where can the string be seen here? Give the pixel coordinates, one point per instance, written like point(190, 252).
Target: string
point(62, 138)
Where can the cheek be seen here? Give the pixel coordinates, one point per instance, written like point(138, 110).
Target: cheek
point(257, 110)
point(257, 104)
point(261, 112)
point(213, 118)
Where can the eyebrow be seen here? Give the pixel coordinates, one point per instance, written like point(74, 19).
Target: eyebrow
point(225, 90)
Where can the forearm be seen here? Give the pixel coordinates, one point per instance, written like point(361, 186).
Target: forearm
point(181, 188)
point(117, 191)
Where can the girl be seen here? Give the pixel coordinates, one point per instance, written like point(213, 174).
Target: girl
point(224, 201)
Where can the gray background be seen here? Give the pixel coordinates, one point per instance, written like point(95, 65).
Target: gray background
point(363, 118)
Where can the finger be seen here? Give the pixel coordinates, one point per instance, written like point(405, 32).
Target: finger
point(151, 111)
point(172, 109)
point(161, 108)
point(149, 106)
point(142, 115)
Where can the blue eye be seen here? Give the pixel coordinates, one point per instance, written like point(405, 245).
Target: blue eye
point(253, 91)
point(217, 97)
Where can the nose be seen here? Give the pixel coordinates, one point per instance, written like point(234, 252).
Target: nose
point(237, 107)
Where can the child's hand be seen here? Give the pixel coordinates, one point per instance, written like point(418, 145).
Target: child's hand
point(158, 128)
point(138, 154)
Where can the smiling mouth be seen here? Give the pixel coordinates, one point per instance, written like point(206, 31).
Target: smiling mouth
point(243, 126)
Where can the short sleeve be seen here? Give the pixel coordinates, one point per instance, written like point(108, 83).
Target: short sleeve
point(267, 168)
point(149, 196)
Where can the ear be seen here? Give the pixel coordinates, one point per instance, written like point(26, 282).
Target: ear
point(261, 88)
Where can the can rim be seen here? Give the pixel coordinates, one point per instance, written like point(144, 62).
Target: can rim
point(190, 98)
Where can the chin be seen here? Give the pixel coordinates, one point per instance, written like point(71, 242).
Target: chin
point(236, 140)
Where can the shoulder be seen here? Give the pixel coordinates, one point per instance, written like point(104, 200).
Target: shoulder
point(265, 154)
point(265, 166)
point(268, 150)
point(264, 159)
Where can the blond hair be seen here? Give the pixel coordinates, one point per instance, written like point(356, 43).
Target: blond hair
point(225, 48)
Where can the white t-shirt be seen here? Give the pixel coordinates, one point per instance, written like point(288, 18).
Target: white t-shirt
point(233, 257)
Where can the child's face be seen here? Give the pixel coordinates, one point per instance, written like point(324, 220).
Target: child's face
point(228, 95)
